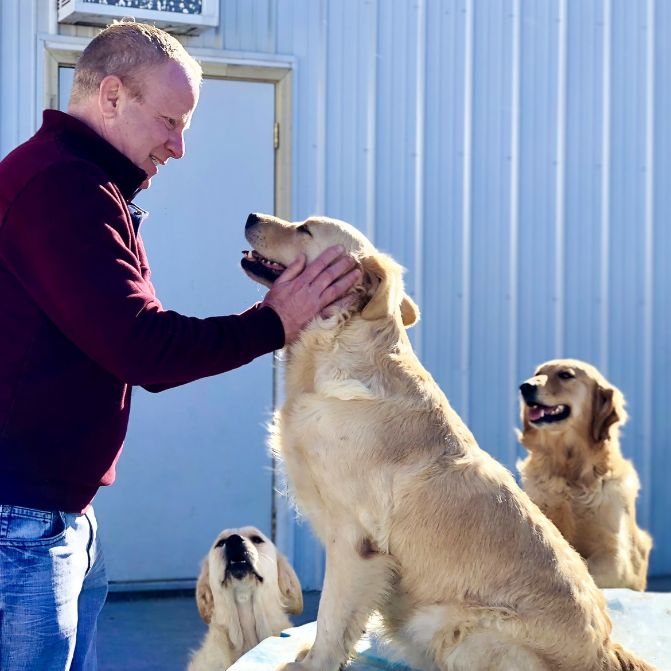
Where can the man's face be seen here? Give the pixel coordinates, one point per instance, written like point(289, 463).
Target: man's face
point(151, 131)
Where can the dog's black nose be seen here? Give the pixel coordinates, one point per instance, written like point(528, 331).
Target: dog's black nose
point(234, 539)
point(235, 548)
point(252, 219)
point(528, 392)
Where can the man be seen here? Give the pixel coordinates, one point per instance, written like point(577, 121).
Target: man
point(80, 325)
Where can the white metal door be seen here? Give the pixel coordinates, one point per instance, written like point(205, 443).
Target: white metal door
point(195, 459)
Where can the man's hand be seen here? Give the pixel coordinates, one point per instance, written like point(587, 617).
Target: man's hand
point(301, 292)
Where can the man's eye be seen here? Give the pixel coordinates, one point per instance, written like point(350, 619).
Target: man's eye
point(170, 123)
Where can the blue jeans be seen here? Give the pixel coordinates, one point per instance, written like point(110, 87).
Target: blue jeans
point(53, 585)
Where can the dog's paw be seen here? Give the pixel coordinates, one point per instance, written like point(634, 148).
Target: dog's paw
point(298, 665)
point(304, 663)
point(306, 666)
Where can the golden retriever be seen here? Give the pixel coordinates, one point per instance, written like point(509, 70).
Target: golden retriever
point(575, 472)
point(418, 523)
point(245, 589)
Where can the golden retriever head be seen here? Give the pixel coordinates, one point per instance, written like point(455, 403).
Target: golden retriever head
point(277, 243)
point(244, 564)
point(570, 395)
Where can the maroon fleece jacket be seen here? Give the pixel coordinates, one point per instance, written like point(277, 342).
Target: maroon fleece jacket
point(80, 323)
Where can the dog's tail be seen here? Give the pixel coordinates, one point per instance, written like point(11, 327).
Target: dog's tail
point(623, 660)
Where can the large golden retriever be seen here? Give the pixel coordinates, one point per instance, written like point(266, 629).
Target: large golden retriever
point(417, 521)
point(575, 472)
point(244, 592)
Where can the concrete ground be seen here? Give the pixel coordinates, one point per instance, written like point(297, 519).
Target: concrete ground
point(156, 632)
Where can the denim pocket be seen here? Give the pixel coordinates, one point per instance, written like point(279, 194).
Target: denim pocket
point(28, 526)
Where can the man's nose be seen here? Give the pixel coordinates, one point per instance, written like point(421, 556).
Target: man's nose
point(175, 144)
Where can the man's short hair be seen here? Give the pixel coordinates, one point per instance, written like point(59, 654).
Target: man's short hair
point(127, 49)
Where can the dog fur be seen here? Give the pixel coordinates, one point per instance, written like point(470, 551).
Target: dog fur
point(575, 471)
point(245, 589)
point(417, 521)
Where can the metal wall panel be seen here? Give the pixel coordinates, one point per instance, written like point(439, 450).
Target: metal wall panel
point(400, 120)
point(659, 396)
point(445, 302)
point(520, 155)
point(487, 411)
point(586, 181)
point(350, 112)
point(302, 32)
point(248, 25)
point(515, 156)
point(18, 28)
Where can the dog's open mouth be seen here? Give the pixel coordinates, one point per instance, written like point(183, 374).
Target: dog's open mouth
point(545, 414)
point(240, 569)
point(252, 262)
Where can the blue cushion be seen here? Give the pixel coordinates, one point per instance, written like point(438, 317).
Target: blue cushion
point(641, 623)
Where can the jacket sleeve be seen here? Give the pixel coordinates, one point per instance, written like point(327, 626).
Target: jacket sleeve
point(155, 388)
point(69, 241)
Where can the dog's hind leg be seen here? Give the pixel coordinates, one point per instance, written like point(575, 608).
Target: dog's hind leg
point(484, 652)
point(357, 580)
point(609, 569)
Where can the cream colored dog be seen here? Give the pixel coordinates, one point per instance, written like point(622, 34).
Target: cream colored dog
point(244, 592)
point(575, 472)
point(417, 521)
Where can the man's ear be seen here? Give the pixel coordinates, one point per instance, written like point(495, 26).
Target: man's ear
point(382, 276)
point(109, 95)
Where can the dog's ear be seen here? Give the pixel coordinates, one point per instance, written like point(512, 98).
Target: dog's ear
point(382, 279)
point(607, 409)
point(409, 311)
point(204, 597)
point(290, 586)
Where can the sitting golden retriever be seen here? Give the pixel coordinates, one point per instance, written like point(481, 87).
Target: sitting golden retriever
point(245, 589)
point(418, 522)
point(575, 472)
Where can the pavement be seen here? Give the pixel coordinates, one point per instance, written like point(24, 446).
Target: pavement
point(157, 631)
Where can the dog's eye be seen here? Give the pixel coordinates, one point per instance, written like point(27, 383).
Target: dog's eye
point(220, 543)
point(566, 375)
point(257, 540)
point(303, 228)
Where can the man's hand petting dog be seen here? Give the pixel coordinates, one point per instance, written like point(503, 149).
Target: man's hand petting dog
point(301, 292)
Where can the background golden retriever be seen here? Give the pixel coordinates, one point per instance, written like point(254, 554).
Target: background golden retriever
point(575, 472)
point(244, 592)
point(417, 521)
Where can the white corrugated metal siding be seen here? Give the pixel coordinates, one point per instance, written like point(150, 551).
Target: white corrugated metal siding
point(513, 155)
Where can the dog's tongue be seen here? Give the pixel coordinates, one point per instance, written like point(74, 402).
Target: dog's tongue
point(535, 412)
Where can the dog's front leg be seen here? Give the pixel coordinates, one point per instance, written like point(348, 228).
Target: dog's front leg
point(355, 583)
